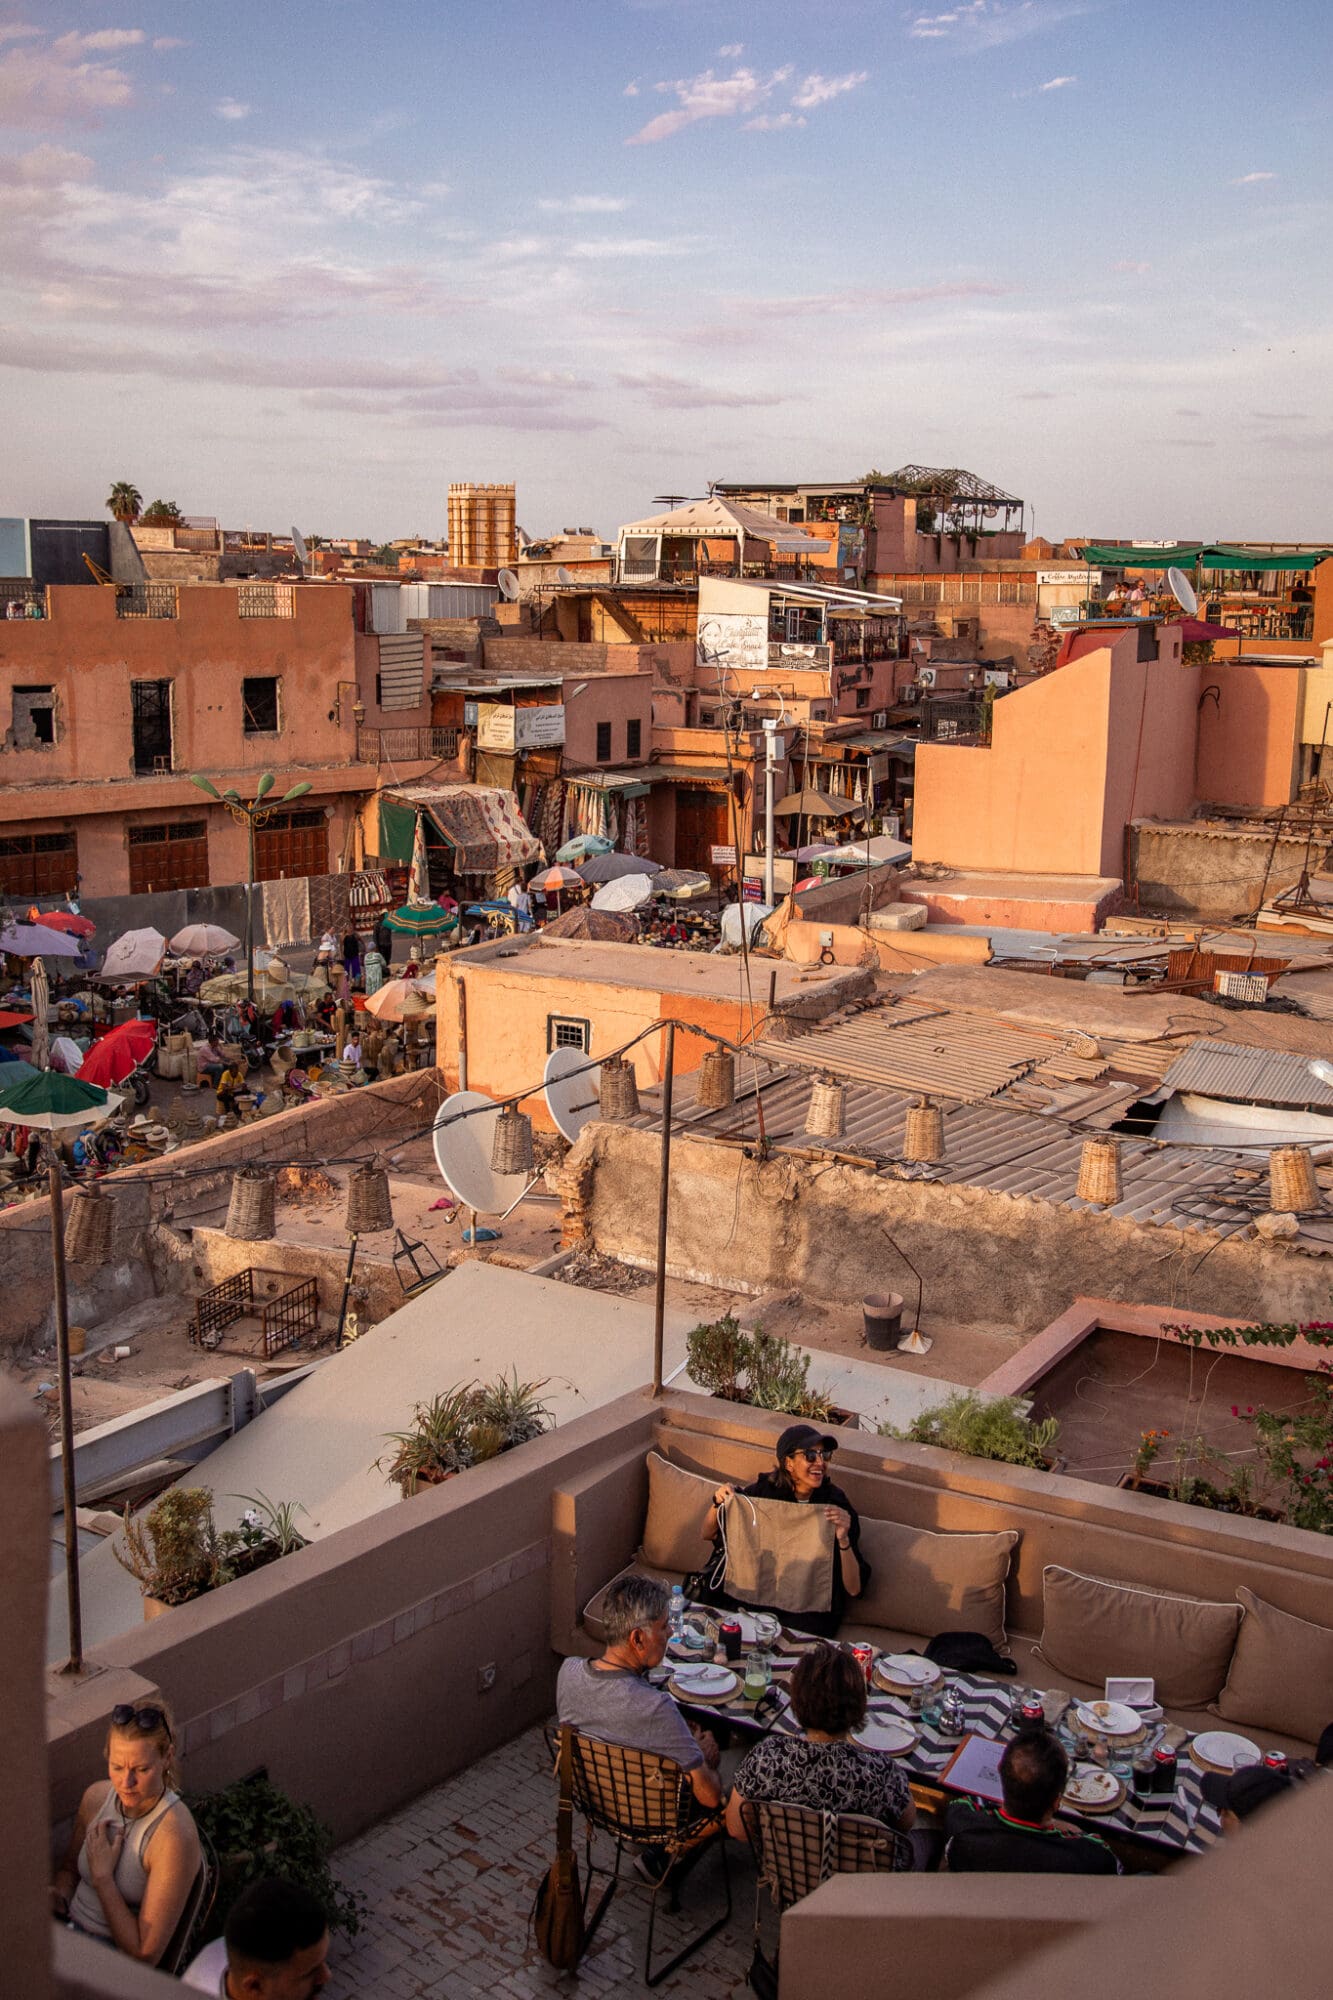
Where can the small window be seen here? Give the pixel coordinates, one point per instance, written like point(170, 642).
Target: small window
point(603, 742)
point(563, 1032)
point(259, 705)
point(634, 738)
point(863, 697)
point(34, 717)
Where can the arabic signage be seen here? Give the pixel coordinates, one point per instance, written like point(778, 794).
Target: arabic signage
point(503, 727)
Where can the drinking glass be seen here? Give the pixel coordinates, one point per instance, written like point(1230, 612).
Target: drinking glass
point(758, 1675)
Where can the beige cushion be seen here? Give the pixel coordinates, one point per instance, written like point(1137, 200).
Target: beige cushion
point(673, 1536)
point(1093, 1627)
point(1281, 1672)
point(928, 1583)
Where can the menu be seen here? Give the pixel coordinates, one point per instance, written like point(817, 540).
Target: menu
point(974, 1768)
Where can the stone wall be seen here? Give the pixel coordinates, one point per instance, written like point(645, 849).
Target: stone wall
point(1215, 869)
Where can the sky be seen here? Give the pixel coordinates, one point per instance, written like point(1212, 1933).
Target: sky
point(285, 262)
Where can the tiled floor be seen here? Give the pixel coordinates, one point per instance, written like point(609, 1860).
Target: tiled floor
point(451, 1878)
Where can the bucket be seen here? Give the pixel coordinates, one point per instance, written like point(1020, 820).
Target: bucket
point(882, 1314)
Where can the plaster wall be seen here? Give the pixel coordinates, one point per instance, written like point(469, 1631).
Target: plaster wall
point(614, 697)
point(1249, 735)
point(1216, 871)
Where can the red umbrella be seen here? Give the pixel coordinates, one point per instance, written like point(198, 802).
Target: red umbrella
point(110, 1061)
point(64, 920)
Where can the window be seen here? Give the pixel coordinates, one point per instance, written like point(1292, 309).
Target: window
point(173, 855)
point(863, 697)
point(151, 712)
point(634, 738)
point(564, 1032)
point(34, 717)
point(38, 864)
point(259, 705)
point(603, 743)
point(292, 843)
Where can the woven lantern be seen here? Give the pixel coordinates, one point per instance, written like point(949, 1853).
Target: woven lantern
point(368, 1206)
point(826, 1118)
point(1291, 1180)
point(717, 1079)
point(250, 1215)
point(88, 1230)
point(923, 1137)
point(511, 1152)
point(1099, 1172)
point(618, 1091)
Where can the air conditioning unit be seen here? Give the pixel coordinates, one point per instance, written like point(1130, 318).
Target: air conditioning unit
point(1251, 987)
point(880, 719)
point(996, 677)
point(925, 677)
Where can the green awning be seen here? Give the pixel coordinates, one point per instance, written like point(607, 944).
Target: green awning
point(1203, 555)
point(1229, 555)
point(398, 825)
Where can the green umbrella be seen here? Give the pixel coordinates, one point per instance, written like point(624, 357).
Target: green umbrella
point(421, 920)
point(51, 1102)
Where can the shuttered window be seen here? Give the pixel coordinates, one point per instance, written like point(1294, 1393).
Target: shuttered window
point(402, 671)
point(292, 843)
point(38, 864)
point(172, 855)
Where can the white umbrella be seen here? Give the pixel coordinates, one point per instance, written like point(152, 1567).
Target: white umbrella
point(201, 940)
point(30, 940)
point(137, 955)
point(402, 999)
point(753, 915)
point(625, 893)
point(41, 1000)
point(66, 1055)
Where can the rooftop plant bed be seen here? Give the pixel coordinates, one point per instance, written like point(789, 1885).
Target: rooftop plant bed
point(995, 1427)
point(177, 1552)
point(760, 1369)
point(462, 1427)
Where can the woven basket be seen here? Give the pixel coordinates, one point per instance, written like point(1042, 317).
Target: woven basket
point(923, 1137)
point(619, 1089)
point(89, 1227)
point(1082, 1045)
point(1291, 1180)
point(1099, 1172)
point(826, 1117)
point(368, 1205)
point(717, 1079)
point(250, 1214)
point(511, 1152)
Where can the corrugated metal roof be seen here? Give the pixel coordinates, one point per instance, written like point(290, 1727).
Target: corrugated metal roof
point(965, 1056)
point(1244, 1075)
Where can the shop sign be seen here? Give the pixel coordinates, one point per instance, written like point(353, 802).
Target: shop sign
point(540, 728)
point(722, 857)
point(495, 726)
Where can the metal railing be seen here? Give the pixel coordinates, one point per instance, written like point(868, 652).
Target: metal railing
point(405, 746)
point(148, 600)
point(265, 600)
point(30, 599)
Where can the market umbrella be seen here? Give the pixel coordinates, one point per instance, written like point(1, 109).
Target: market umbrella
point(65, 1056)
point(752, 915)
point(203, 941)
point(625, 893)
point(418, 882)
point(55, 1103)
point(41, 1003)
point(603, 926)
point(401, 999)
point(610, 867)
point(557, 881)
point(421, 920)
point(13, 1070)
point(36, 940)
point(682, 884)
point(583, 846)
point(136, 955)
point(820, 805)
point(63, 920)
point(116, 1055)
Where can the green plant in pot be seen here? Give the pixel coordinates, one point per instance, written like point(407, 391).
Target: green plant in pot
point(983, 1427)
point(512, 1409)
point(462, 1427)
point(719, 1354)
point(255, 1829)
point(172, 1550)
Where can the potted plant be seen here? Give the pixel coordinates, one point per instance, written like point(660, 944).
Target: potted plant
point(462, 1427)
point(255, 1829)
point(980, 1427)
point(761, 1369)
point(177, 1552)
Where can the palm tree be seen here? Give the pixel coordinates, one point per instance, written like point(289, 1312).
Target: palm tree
point(124, 500)
point(162, 512)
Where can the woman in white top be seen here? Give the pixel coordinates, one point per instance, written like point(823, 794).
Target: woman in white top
point(134, 1852)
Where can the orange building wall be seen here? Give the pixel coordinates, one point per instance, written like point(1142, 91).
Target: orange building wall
point(1247, 749)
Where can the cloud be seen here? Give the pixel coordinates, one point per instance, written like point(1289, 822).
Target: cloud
point(584, 204)
point(630, 90)
point(782, 121)
point(231, 108)
point(730, 50)
point(101, 40)
point(672, 392)
point(601, 247)
point(865, 298)
point(54, 85)
point(990, 24)
point(1057, 83)
point(1249, 180)
point(817, 89)
point(1131, 264)
point(745, 94)
point(44, 166)
point(164, 42)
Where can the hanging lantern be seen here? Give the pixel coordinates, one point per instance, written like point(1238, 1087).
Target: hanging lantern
point(923, 1139)
point(618, 1091)
point(250, 1214)
point(827, 1115)
point(1291, 1180)
point(368, 1206)
point(1099, 1172)
point(511, 1152)
point(717, 1079)
point(89, 1227)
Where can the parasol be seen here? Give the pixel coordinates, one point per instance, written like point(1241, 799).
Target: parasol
point(753, 915)
point(401, 999)
point(36, 940)
point(604, 926)
point(63, 920)
point(557, 881)
point(203, 941)
point(682, 884)
point(625, 893)
point(421, 920)
point(610, 867)
point(55, 1103)
point(136, 955)
point(583, 846)
point(13, 1070)
point(118, 1054)
point(65, 1055)
point(819, 805)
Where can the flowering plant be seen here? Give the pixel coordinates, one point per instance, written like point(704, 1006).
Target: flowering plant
point(1150, 1443)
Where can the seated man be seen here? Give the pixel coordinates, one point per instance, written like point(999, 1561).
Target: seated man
point(275, 1946)
point(1020, 1837)
point(611, 1700)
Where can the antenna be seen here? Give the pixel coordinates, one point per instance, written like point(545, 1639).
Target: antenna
point(573, 1099)
point(563, 576)
point(463, 1155)
point(508, 583)
point(1183, 591)
point(302, 552)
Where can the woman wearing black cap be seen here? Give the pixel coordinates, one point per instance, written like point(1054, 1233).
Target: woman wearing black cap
point(800, 1475)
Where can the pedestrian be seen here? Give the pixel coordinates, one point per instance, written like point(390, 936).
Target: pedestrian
point(351, 958)
point(327, 952)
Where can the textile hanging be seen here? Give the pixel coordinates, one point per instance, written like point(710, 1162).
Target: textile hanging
point(286, 911)
point(778, 1555)
point(397, 827)
point(330, 904)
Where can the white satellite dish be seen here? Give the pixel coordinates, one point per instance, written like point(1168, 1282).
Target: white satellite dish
point(563, 576)
point(298, 543)
point(463, 1155)
point(573, 1091)
point(508, 583)
point(1183, 591)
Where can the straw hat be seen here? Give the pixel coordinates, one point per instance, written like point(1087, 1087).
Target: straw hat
point(141, 1122)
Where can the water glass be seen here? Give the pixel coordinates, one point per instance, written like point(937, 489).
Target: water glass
point(758, 1675)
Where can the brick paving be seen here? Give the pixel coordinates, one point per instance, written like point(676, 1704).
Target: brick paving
point(450, 1881)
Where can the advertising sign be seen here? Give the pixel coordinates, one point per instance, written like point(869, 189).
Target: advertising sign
point(540, 728)
point(495, 726)
point(722, 857)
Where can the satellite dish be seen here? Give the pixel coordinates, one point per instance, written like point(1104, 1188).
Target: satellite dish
point(298, 543)
point(573, 1091)
point(1183, 591)
point(463, 1155)
point(563, 576)
point(508, 583)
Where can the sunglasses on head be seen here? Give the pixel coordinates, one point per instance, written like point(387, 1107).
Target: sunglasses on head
point(149, 1719)
point(812, 1453)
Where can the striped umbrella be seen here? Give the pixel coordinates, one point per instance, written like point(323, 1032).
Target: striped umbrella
point(421, 920)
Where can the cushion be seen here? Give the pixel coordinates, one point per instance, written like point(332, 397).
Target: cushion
point(673, 1536)
point(927, 1583)
point(1281, 1672)
point(1093, 1627)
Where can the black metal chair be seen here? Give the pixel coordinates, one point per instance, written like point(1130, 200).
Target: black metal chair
point(797, 1847)
point(642, 1800)
point(198, 1907)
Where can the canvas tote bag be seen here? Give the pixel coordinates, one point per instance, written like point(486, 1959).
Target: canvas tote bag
point(778, 1553)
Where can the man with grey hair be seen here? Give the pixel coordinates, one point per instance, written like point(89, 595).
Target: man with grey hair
point(612, 1701)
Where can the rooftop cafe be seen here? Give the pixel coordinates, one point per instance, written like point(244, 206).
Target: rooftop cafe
point(357, 1672)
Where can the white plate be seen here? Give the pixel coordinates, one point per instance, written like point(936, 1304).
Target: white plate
point(1091, 1786)
point(1220, 1747)
point(883, 1733)
point(909, 1668)
point(708, 1682)
point(1109, 1718)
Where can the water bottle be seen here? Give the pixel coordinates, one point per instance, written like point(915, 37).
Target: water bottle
point(676, 1613)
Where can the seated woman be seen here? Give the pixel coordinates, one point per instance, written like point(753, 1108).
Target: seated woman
point(134, 1853)
point(800, 1476)
point(823, 1768)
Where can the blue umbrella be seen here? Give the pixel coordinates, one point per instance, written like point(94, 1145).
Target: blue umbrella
point(582, 846)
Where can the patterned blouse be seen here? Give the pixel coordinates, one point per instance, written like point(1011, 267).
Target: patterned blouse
point(831, 1777)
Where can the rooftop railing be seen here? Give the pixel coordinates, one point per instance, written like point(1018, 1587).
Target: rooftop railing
point(265, 600)
point(148, 600)
point(405, 746)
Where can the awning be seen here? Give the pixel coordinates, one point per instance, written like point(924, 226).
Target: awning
point(1203, 555)
point(483, 826)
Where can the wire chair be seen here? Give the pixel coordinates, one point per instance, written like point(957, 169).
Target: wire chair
point(642, 1800)
point(797, 1847)
point(198, 1909)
